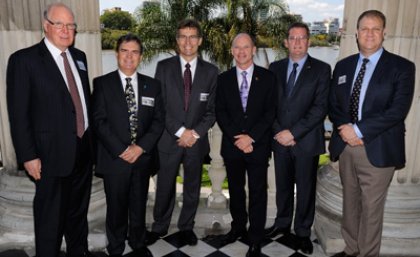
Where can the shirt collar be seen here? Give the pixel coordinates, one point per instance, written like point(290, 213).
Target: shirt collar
point(301, 62)
point(193, 62)
point(249, 71)
point(132, 76)
point(55, 52)
point(374, 58)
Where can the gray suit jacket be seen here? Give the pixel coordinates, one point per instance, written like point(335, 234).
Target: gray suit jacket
point(200, 115)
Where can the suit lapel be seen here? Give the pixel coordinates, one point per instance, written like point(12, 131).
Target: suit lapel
point(51, 65)
point(349, 73)
point(82, 70)
point(302, 75)
point(117, 90)
point(197, 81)
point(373, 85)
point(178, 77)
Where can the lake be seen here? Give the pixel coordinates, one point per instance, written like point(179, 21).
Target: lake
point(326, 54)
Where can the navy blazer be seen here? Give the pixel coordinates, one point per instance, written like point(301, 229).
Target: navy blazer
point(386, 105)
point(304, 111)
point(112, 126)
point(258, 118)
point(41, 112)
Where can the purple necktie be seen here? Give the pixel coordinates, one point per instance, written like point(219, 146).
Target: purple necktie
point(244, 90)
point(75, 97)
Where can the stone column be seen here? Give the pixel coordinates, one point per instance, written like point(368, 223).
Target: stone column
point(20, 27)
point(401, 233)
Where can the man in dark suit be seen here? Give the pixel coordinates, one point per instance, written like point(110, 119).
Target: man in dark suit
point(298, 134)
point(370, 96)
point(48, 102)
point(188, 85)
point(245, 109)
point(128, 116)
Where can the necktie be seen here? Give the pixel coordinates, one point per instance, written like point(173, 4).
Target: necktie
point(75, 97)
point(244, 90)
point(132, 109)
point(187, 85)
point(355, 95)
point(291, 81)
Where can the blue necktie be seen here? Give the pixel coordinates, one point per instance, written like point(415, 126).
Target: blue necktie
point(291, 81)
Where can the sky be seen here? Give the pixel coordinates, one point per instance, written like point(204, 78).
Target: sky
point(311, 10)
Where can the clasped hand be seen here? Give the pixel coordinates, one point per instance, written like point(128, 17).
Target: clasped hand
point(348, 135)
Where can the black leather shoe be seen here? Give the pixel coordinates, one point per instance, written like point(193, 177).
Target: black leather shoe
point(85, 254)
point(254, 251)
point(115, 255)
point(142, 252)
point(189, 237)
point(231, 237)
point(342, 254)
point(305, 245)
point(273, 231)
point(151, 238)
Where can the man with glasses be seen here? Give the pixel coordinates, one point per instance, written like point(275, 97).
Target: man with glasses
point(302, 85)
point(370, 96)
point(48, 101)
point(188, 89)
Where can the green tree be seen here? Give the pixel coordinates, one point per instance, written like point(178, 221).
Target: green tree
point(221, 20)
point(120, 20)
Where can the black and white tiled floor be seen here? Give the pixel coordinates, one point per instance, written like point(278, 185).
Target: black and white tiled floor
point(171, 246)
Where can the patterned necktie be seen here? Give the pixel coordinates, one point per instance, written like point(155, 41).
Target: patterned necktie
point(187, 85)
point(291, 81)
point(132, 109)
point(244, 90)
point(75, 97)
point(355, 95)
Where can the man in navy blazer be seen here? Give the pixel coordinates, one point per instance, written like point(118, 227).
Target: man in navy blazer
point(51, 133)
point(125, 160)
point(189, 115)
point(370, 95)
point(245, 109)
point(298, 134)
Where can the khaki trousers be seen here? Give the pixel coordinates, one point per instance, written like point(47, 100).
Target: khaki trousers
point(364, 193)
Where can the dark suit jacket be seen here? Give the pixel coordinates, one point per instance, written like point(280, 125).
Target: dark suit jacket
point(41, 112)
point(111, 121)
point(387, 102)
point(304, 111)
point(258, 118)
point(200, 115)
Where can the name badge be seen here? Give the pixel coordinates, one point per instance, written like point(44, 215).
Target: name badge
point(204, 97)
point(81, 65)
point(148, 101)
point(342, 79)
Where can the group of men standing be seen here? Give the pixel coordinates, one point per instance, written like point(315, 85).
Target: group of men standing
point(134, 125)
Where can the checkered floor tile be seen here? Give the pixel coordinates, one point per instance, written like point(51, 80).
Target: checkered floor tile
point(171, 246)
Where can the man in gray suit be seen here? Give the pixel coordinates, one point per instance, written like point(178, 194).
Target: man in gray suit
point(188, 89)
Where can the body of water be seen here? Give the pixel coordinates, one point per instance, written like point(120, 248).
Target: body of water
point(326, 54)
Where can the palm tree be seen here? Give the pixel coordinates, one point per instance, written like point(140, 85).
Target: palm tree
point(221, 21)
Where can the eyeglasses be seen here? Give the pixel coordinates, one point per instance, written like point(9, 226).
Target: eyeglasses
point(295, 38)
point(59, 25)
point(191, 38)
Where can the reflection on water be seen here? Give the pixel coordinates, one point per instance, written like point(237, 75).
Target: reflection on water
point(326, 54)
